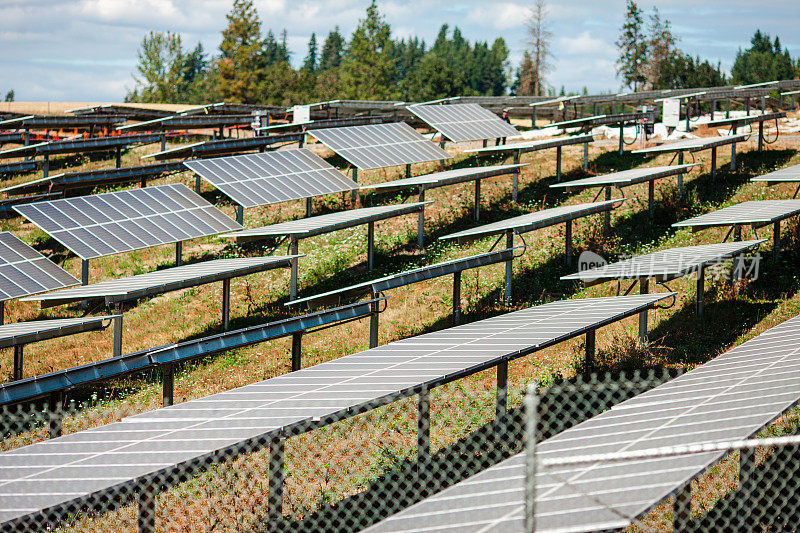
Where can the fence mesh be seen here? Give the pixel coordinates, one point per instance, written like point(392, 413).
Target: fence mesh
point(351, 473)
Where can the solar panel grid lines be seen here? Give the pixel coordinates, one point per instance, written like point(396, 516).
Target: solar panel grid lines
point(24, 271)
point(791, 173)
point(380, 145)
point(721, 400)
point(626, 178)
point(532, 146)
point(168, 439)
point(749, 119)
point(110, 223)
point(262, 179)
point(694, 145)
point(537, 219)
point(755, 212)
point(445, 177)
point(161, 281)
point(311, 226)
point(666, 264)
point(19, 333)
point(464, 122)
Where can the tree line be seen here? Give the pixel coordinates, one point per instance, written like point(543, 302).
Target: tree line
point(252, 67)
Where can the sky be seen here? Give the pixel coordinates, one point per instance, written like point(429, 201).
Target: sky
point(85, 50)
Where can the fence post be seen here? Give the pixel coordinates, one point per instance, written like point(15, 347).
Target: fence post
point(531, 415)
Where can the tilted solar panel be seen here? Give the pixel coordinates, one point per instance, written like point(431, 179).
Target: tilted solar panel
point(260, 179)
point(115, 222)
point(785, 174)
point(380, 145)
point(464, 122)
point(24, 271)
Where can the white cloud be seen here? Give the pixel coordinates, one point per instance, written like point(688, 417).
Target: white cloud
point(500, 15)
point(585, 44)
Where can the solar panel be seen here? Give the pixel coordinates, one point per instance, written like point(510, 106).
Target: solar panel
point(536, 220)
point(626, 178)
point(20, 333)
point(694, 145)
point(532, 146)
point(311, 226)
point(115, 222)
point(755, 212)
point(158, 441)
point(785, 174)
point(446, 177)
point(262, 179)
point(749, 119)
point(24, 271)
point(599, 120)
point(464, 122)
point(224, 146)
point(380, 145)
point(666, 264)
point(730, 398)
point(162, 281)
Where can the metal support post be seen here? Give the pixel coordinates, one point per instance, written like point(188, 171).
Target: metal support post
point(515, 177)
point(776, 240)
point(728, 108)
point(423, 436)
point(373, 322)
point(760, 136)
point(308, 207)
point(477, 200)
point(485, 143)
point(355, 179)
point(146, 515)
point(651, 192)
point(297, 350)
point(714, 163)
point(621, 142)
point(18, 361)
point(644, 288)
point(680, 176)
point(197, 184)
point(293, 273)
point(607, 214)
point(275, 490)
point(167, 384)
point(117, 351)
point(2, 312)
point(586, 156)
point(226, 303)
point(370, 246)
point(240, 214)
point(568, 243)
point(682, 509)
point(55, 412)
point(421, 220)
point(688, 113)
point(408, 171)
point(558, 163)
point(457, 298)
point(46, 166)
point(509, 265)
point(119, 156)
point(588, 360)
point(700, 292)
point(179, 253)
point(501, 403)
point(531, 434)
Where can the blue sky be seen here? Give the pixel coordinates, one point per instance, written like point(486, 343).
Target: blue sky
point(85, 50)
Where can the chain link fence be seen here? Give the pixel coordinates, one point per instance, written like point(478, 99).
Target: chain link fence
point(350, 473)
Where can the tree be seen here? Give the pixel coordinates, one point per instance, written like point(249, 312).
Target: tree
point(632, 48)
point(765, 60)
point(661, 48)
point(367, 69)
point(332, 51)
point(240, 68)
point(539, 41)
point(10, 96)
point(682, 70)
point(310, 62)
point(525, 84)
point(160, 69)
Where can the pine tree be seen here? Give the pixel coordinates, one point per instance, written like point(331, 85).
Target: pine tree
point(240, 68)
point(632, 47)
point(765, 60)
point(661, 48)
point(526, 77)
point(10, 96)
point(310, 62)
point(539, 41)
point(367, 68)
point(332, 51)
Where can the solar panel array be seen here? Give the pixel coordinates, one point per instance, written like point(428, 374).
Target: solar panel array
point(785, 174)
point(380, 145)
point(19, 333)
point(539, 144)
point(625, 178)
point(24, 271)
point(669, 263)
point(694, 145)
point(115, 222)
point(537, 220)
point(446, 177)
point(155, 442)
point(464, 122)
point(727, 399)
point(757, 212)
point(262, 179)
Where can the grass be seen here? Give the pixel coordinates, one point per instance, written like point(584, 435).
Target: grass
point(328, 468)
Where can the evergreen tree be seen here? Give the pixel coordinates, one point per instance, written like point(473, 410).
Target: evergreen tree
point(310, 62)
point(632, 47)
point(661, 48)
point(525, 84)
point(10, 96)
point(160, 69)
point(765, 60)
point(240, 68)
point(367, 69)
point(332, 51)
